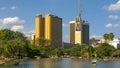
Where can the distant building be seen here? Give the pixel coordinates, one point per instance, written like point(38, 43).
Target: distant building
point(93, 42)
point(115, 43)
point(67, 45)
point(32, 39)
point(50, 28)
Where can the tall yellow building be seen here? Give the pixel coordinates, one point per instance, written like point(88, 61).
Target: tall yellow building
point(49, 28)
point(39, 26)
point(53, 29)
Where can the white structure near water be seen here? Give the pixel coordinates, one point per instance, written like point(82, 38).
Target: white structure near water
point(115, 43)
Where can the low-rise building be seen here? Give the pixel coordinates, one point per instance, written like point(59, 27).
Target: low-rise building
point(115, 42)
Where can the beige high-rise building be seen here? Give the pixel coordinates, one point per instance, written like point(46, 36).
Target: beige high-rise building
point(49, 28)
point(79, 30)
point(72, 31)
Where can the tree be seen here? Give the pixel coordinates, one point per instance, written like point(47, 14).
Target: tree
point(12, 42)
point(111, 36)
point(42, 42)
point(106, 37)
point(75, 50)
point(88, 50)
point(104, 50)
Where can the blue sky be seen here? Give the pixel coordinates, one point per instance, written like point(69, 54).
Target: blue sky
point(102, 15)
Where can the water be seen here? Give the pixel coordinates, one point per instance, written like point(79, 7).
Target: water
point(62, 63)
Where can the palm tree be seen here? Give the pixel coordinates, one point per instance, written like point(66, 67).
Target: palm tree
point(106, 36)
point(111, 36)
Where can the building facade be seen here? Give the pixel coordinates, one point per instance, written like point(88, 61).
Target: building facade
point(39, 26)
point(79, 31)
point(53, 29)
point(50, 28)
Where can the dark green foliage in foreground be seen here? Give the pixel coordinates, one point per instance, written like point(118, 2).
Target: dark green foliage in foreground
point(32, 51)
point(12, 43)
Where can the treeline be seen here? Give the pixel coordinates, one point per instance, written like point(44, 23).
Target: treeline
point(13, 44)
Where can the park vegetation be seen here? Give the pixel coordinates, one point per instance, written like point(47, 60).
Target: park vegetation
point(14, 43)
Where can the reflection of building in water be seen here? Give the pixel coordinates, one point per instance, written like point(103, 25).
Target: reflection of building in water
point(47, 63)
point(43, 63)
point(79, 31)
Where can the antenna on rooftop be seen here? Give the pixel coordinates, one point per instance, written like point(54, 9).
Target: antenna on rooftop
point(79, 8)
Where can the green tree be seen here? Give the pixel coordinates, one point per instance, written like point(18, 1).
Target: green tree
point(88, 50)
point(42, 42)
point(104, 50)
point(75, 50)
point(12, 42)
point(106, 37)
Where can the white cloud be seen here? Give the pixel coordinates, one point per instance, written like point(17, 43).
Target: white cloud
point(113, 17)
point(8, 8)
point(112, 25)
point(109, 25)
point(17, 27)
point(13, 7)
point(65, 25)
point(114, 7)
point(29, 33)
point(96, 36)
point(116, 25)
point(13, 23)
point(12, 20)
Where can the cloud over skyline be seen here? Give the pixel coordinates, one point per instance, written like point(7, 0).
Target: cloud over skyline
point(13, 7)
point(17, 27)
point(96, 36)
point(114, 17)
point(65, 25)
point(8, 8)
point(110, 25)
point(14, 23)
point(114, 6)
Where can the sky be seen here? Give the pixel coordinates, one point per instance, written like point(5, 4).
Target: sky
point(103, 16)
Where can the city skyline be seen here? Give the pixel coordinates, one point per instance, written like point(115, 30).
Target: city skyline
point(102, 16)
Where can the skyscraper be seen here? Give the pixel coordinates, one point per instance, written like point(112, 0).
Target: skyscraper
point(39, 26)
point(53, 29)
point(49, 28)
point(79, 29)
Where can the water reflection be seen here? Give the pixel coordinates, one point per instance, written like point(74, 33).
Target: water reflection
point(61, 63)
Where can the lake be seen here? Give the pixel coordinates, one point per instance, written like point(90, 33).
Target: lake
point(61, 63)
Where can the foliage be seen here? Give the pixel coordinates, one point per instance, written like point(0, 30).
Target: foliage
point(108, 37)
point(12, 43)
point(33, 51)
point(104, 50)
